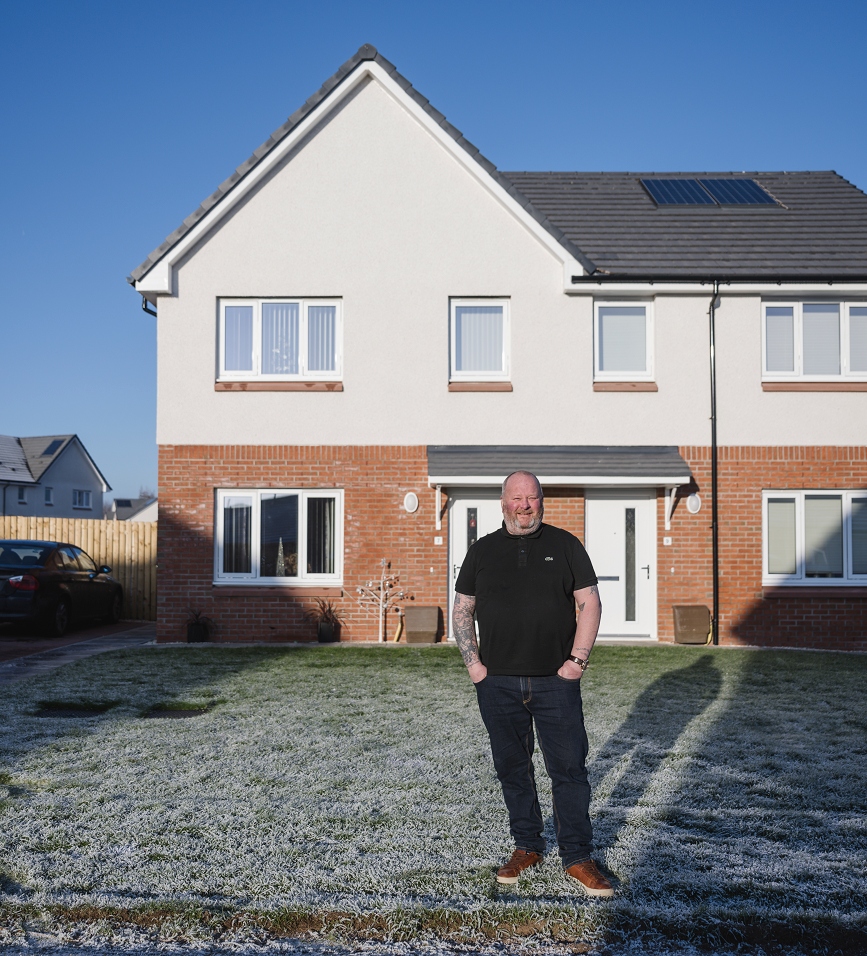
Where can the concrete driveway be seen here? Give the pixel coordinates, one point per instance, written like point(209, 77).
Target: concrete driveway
point(24, 656)
point(16, 643)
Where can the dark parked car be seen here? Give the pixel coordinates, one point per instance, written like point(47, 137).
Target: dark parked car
point(50, 584)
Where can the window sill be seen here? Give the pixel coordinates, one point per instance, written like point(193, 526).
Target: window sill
point(855, 592)
point(258, 590)
point(480, 386)
point(814, 386)
point(625, 387)
point(278, 386)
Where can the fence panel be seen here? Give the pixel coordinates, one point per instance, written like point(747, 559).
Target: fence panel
point(129, 548)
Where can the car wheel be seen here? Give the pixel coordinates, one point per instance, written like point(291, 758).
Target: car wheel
point(58, 621)
point(115, 609)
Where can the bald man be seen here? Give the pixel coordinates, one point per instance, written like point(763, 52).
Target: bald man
point(525, 583)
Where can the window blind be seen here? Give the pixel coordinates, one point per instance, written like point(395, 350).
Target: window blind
point(479, 338)
point(780, 339)
point(857, 339)
point(821, 338)
point(782, 557)
point(823, 536)
point(238, 342)
point(279, 338)
point(622, 339)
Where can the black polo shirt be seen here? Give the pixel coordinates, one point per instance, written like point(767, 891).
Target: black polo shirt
point(523, 586)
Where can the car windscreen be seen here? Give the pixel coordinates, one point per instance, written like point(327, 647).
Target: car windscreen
point(23, 554)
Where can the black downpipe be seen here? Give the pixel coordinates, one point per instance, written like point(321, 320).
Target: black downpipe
point(144, 305)
point(714, 491)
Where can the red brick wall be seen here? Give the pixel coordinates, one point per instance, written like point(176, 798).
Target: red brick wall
point(746, 615)
point(375, 480)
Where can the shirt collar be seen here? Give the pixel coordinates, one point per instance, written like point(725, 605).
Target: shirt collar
point(519, 537)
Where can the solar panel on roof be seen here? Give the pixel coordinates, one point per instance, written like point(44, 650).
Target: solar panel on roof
point(52, 448)
point(677, 192)
point(737, 192)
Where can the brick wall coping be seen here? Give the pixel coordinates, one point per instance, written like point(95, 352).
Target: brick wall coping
point(854, 593)
point(258, 590)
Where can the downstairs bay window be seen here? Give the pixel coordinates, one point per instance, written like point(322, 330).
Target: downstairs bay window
point(815, 538)
point(279, 537)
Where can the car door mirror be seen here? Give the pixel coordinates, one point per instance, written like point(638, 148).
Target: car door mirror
point(105, 569)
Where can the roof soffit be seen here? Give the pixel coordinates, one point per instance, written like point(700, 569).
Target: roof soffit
point(154, 275)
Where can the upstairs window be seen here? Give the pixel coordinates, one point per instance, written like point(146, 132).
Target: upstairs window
point(279, 537)
point(623, 342)
point(81, 499)
point(49, 495)
point(22, 495)
point(815, 538)
point(479, 340)
point(281, 340)
point(814, 341)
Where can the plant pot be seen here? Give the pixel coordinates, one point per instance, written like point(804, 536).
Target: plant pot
point(197, 633)
point(327, 633)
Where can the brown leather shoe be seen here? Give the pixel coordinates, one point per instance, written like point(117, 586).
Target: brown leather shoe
point(587, 874)
point(519, 861)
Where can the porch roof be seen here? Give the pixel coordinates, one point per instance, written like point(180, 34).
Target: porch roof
point(559, 465)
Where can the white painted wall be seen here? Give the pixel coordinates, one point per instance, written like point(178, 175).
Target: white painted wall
point(373, 210)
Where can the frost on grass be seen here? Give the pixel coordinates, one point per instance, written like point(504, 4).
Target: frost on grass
point(356, 783)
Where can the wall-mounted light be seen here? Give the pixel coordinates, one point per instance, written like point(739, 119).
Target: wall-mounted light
point(410, 502)
point(693, 503)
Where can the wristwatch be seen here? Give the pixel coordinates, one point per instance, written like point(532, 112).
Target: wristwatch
point(580, 662)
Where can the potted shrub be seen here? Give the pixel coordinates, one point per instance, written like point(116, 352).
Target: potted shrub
point(326, 619)
point(198, 627)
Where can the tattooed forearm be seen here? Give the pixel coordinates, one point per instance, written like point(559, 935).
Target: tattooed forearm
point(464, 628)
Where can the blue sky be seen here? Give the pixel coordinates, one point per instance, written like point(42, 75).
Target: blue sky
point(118, 118)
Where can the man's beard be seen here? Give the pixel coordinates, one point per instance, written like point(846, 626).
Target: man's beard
point(513, 527)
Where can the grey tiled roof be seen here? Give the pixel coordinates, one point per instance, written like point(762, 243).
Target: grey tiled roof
point(366, 52)
point(13, 462)
point(35, 448)
point(38, 462)
point(126, 508)
point(663, 461)
point(819, 230)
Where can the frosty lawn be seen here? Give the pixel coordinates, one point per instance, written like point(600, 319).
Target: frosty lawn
point(348, 792)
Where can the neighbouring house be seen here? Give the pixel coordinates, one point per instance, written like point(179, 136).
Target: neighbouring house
point(49, 476)
point(133, 509)
point(367, 326)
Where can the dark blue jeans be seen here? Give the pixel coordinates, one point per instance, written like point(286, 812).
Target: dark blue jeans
point(510, 706)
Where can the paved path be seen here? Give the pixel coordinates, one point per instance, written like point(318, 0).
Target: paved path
point(40, 663)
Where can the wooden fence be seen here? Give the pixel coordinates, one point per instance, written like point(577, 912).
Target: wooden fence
point(129, 548)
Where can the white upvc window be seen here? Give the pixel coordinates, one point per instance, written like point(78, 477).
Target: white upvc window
point(279, 340)
point(279, 536)
point(814, 341)
point(81, 499)
point(22, 495)
point(479, 337)
point(623, 342)
point(814, 538)
point(49, 495)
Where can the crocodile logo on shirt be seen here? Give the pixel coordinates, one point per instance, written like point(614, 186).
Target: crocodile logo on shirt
point(549, 559)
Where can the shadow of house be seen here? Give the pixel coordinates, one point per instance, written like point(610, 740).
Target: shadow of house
point(623, 770)
point(744, 833)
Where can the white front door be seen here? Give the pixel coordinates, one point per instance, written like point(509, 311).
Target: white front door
point(471, 516)
point(620, 537)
